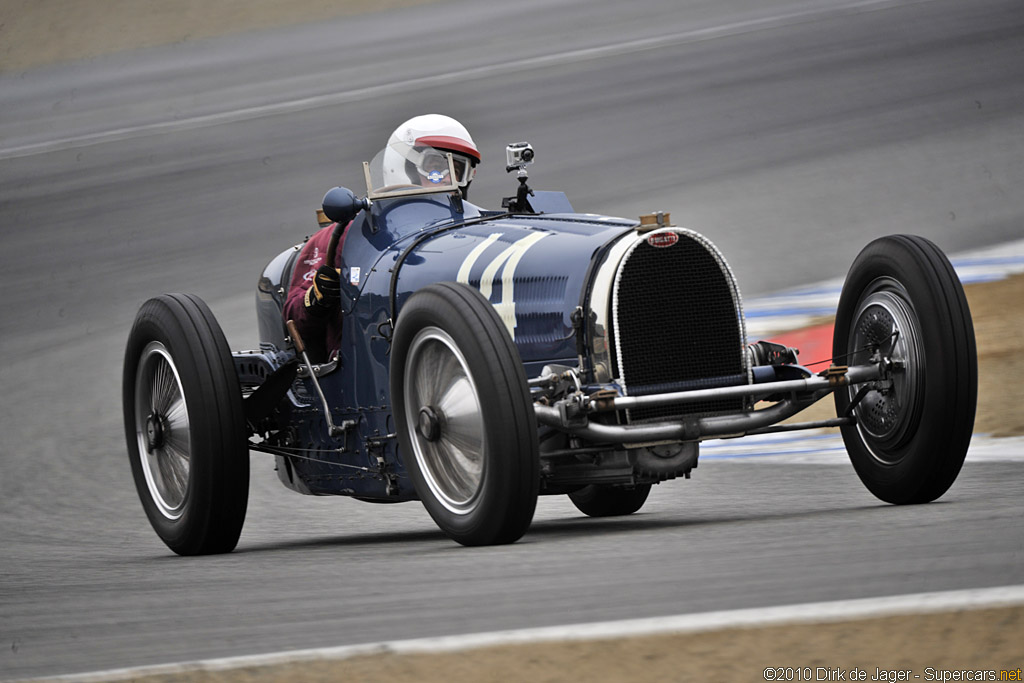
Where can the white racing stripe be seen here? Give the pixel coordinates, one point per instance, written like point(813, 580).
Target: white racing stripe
point(460, 76)
point(817, 612)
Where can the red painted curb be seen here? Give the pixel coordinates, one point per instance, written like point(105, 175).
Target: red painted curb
point(814, 343)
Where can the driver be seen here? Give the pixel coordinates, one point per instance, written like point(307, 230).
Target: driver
point(415, 154)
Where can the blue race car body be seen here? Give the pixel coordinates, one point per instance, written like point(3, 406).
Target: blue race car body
point(491, 356)
point(538, 270)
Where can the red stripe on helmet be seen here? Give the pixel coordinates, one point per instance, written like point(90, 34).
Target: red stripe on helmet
point(450, 143)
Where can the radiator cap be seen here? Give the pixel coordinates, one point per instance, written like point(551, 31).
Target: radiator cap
point(653, 221)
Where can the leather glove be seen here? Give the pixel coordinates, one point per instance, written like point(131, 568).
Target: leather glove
point(325, 294)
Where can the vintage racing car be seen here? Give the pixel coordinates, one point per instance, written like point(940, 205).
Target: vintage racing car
point(491, 356)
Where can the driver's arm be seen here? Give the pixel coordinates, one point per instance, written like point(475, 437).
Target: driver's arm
point(315, 290)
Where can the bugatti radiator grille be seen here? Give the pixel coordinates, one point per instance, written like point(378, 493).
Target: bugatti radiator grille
point(678, 322)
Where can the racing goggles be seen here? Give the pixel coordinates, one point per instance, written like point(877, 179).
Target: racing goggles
point(433, 166)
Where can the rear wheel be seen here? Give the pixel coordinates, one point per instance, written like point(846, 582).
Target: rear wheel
point(185, 427)
point(607, 501)
point(902, 301)
point(464, 416)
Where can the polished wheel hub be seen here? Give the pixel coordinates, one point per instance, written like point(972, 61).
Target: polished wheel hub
point(155, 427)
point(446, 425)
point(429, 425)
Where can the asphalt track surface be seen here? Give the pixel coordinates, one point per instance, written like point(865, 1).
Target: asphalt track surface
point(790, 133)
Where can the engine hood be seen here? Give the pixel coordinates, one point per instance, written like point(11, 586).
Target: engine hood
point(533, 269)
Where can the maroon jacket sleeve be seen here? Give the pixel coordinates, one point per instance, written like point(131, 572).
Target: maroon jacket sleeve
point(315, 331)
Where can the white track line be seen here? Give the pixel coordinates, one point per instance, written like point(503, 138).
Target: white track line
point(817, 612)
point(460, 76)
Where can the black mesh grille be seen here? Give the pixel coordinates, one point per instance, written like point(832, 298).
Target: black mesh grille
point(677, 322)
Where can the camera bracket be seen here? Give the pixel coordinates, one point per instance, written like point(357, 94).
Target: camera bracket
point(519, 155)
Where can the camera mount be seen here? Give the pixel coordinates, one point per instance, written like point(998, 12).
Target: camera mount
point(518, 156)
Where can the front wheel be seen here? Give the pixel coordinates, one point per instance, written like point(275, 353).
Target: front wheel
point(185, 426)
point(902, 303)
point(464, 417)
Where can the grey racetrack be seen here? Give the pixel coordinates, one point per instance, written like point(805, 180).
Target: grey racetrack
point(790, 133)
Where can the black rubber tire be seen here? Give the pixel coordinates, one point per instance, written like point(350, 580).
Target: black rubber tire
point(915, 456)
point(204, 512)
point(441, 322)
point(607, 501)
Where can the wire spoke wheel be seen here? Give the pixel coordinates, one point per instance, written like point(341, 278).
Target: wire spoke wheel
point(886, 327)
point(162, 431)
point(185, 427)
point(902, 306)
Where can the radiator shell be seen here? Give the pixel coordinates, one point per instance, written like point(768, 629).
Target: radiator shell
point(677, 323)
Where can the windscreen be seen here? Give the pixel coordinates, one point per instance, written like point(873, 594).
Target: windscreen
point(401, 169)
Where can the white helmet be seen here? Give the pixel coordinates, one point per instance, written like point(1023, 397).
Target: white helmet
point(410, 155)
